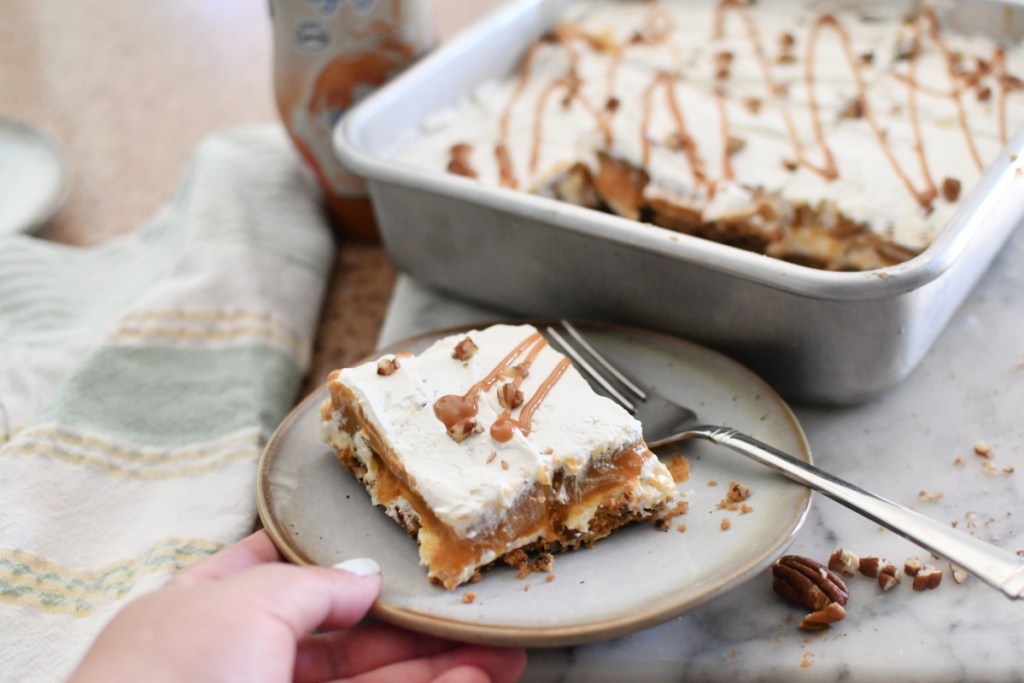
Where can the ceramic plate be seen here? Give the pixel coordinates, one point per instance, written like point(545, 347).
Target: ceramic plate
point(317, 513)
point(31, 177)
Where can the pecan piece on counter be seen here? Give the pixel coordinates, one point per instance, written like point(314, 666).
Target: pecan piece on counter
point(889, 577)
point(845, 562)
point(808, 583)
point(823, 618)
point(928, 578)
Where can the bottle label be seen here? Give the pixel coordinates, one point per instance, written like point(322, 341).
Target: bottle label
point(328, 55)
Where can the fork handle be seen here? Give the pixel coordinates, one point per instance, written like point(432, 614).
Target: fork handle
point(995, 566)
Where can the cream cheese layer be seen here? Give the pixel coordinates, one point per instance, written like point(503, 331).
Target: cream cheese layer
point(885, 120)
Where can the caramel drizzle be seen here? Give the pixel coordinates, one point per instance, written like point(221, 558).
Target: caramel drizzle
point(923, 197)
point(453, 408)
point(506, 170)
point(935, 34)
point(999, 63)
point(571, 82)
point(657, 25)
point(775, 91)
point(503, 425)
point(666, 81)
point(728, 173)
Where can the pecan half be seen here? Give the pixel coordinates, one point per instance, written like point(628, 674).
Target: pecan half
point(807, 583)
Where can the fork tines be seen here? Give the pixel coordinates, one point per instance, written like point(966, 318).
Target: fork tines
point(610, 372)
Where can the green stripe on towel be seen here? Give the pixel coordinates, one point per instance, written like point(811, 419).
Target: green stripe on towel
point(169, 396)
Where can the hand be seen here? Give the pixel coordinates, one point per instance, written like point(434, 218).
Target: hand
point(243, 615)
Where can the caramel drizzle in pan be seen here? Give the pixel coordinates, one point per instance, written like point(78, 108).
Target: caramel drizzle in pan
point(666, 81)
point(657, 28)
point(453, 408)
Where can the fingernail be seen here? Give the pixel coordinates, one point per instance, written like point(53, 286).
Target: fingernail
point(360, 566)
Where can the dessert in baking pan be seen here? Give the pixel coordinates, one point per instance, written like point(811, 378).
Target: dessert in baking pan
point(841, 139)
point(489, 445)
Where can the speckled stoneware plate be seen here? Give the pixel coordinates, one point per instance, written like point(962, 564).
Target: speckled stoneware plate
point(639, 576)
point(32, 177)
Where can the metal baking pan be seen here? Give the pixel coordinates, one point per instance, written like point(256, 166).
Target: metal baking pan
point(816, 336)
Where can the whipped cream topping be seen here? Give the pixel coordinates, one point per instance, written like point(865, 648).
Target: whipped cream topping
point(471, 484)
point(884, 120)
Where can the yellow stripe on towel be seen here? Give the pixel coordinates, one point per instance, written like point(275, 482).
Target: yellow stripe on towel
point(35, 582)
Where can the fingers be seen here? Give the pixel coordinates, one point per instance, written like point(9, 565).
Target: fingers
point(343, 654)
point(464, 664)
point(250, 551)
point(463, 674)
point(306, 598)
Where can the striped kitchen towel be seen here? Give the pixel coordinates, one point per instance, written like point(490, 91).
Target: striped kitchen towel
point(139, 381)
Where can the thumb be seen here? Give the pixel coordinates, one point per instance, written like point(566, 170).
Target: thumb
point(308, 598)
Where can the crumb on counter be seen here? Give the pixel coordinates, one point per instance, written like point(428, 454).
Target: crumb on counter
point(679, 467)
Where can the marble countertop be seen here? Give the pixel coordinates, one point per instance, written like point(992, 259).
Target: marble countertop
point(910, 445)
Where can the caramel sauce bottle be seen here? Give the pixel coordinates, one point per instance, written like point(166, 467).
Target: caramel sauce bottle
point(329, 54)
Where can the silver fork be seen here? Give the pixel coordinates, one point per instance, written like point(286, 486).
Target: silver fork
point(666, 422)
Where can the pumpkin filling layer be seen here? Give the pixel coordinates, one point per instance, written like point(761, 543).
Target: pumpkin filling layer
point(528, 459)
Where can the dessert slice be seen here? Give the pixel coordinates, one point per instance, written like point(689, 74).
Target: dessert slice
point(491, 442)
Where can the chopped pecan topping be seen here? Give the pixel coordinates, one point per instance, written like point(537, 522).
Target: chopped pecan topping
point(951, 189)
point(509, 396)
point(465, 349)
point(1011, 82)
point(808, 583)
point(854, 109)
point(459, 162)
point(519, 370)
point(734, 145)
point(386, 366)
point(462, 429)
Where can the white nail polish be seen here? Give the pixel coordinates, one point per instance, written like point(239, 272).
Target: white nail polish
point(360, 566)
